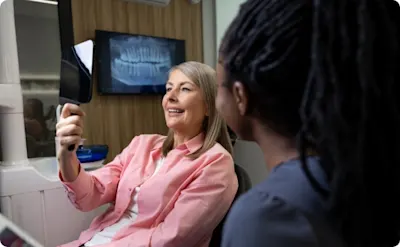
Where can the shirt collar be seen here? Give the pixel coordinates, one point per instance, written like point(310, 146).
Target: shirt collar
point(192, 145)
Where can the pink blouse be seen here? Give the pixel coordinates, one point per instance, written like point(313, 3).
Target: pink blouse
point(179, 206)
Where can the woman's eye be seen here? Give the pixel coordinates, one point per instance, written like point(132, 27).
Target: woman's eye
point(168, 89)
point(185, 89)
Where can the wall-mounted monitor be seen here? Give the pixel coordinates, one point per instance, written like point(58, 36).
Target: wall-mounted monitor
point(135, 64)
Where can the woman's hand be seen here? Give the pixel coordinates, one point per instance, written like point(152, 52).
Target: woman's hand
point(70, 128)
point(69, 132)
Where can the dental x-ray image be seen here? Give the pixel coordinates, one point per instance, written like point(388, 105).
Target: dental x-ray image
point(137, 64)
point(140, 60)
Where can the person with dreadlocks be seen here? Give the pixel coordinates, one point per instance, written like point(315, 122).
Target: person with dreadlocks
point(314, 83)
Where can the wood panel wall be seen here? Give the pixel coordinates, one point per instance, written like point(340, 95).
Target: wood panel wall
point(115, 120)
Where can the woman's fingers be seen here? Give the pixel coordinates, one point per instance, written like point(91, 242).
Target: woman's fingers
point(71, 120)
point(69, 130)
point(70, 127)
point(71, 109)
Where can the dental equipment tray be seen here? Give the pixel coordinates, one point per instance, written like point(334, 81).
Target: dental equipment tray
point(92, 153)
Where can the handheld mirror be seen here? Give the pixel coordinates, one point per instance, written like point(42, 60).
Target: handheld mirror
point(76, 76)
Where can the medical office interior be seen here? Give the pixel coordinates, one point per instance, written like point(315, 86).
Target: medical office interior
point(31, 194)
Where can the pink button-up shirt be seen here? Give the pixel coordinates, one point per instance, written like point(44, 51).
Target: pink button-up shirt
point(179, 206)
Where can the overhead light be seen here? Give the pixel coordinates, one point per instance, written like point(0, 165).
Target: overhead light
point(44, 1)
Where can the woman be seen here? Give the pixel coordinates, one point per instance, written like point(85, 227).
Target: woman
point(314, 83)
point(164, 191)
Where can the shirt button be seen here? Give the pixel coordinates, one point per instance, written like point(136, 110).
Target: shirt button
point(130, 189)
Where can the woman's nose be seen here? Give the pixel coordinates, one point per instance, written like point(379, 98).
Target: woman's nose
point(172, 99)
point(173, 95)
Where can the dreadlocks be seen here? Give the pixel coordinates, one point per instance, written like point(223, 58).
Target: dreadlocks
point(324, 73)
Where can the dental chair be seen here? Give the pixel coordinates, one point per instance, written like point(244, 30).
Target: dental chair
point(244, 185)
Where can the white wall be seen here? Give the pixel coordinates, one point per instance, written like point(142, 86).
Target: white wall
point(217, 15)
point(209, 44)
point(226, 10)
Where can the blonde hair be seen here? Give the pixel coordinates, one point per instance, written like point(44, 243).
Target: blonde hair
point(215, 129)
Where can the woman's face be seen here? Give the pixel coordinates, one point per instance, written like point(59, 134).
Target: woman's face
point(183, 104)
